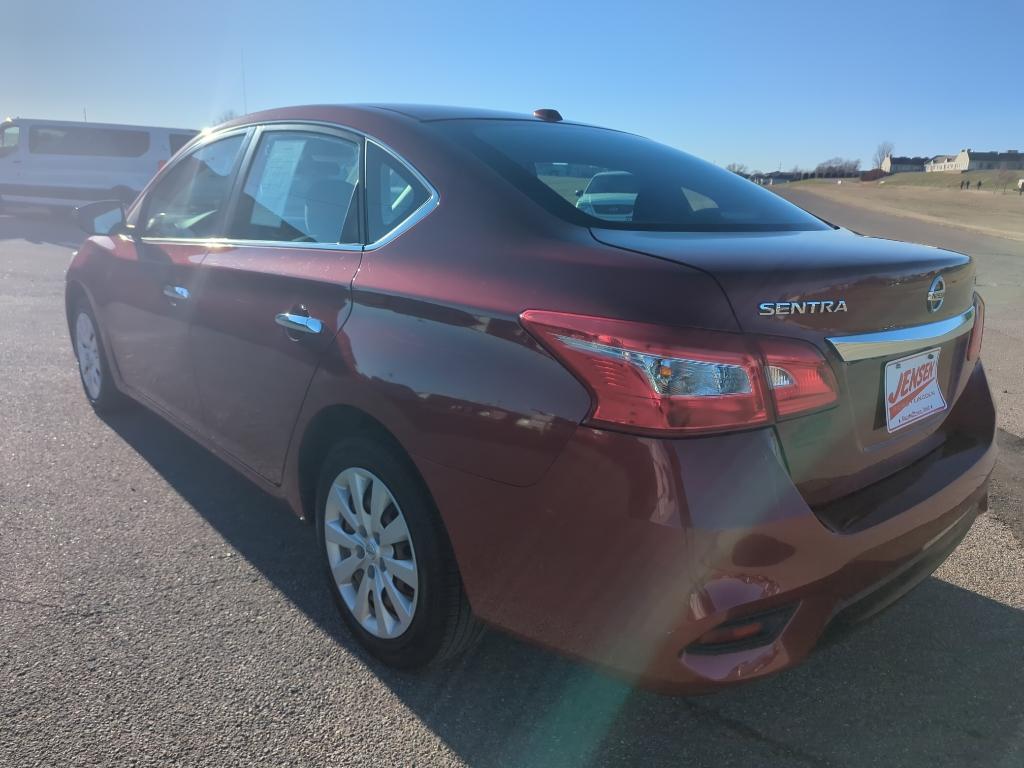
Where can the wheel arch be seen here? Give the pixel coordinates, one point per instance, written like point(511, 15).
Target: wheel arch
point(324, 430)
point(74, 292)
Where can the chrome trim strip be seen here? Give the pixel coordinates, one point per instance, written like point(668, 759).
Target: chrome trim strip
point(898, 341)
point(210, 242)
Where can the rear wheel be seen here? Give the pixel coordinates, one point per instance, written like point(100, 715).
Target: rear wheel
point(93, 369)
point(387, 557)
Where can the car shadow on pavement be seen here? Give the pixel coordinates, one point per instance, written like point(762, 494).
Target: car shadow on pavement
point(937, 680)
point(40, 226)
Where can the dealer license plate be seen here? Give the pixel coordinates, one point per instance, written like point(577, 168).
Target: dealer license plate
point(912, 389)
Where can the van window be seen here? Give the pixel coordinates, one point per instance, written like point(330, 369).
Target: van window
point(9, 136)
point(301, 188)
point(186, 202)
point(393, 193)
point(83, 140)
point(179, 140)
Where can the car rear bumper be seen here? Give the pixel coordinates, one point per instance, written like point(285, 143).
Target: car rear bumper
point(630, 549)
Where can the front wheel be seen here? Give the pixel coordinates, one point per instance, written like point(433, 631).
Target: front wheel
point(387, 557)
point(93, 369)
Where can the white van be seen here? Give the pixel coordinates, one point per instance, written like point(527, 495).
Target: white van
point(62, 164)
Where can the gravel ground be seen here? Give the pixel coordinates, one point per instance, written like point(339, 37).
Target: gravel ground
point(157, 609)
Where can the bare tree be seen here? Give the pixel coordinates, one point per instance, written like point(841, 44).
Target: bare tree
point(737, 168)
point(881, 152)
point(837, 167)
point(227, 114)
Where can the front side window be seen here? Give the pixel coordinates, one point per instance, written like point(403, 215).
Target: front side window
point(87, 141)
point(188, 200)
point(393, 193)
point(301, 188)
point(602, 178)
point(9, 136)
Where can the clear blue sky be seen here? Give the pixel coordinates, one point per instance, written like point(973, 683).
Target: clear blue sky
point(761, 82)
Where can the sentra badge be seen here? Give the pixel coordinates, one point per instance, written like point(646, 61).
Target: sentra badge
point(809, 307)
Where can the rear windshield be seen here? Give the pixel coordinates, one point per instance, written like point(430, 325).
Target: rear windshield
point(602, 178)
point(617, 181)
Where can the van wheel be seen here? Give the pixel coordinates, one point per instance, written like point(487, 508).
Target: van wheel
point(387, 557)
point(93, 368)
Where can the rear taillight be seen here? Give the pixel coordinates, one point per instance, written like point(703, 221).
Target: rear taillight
point(974, 346)
point(799, 377)
point(665, 380)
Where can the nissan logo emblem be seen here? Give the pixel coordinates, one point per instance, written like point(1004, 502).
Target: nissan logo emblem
point(936, 293)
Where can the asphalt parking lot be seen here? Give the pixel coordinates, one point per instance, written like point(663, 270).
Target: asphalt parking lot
point(157, 609)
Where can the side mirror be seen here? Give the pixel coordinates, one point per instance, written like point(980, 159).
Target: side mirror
point(105, 217)
point(578, 193)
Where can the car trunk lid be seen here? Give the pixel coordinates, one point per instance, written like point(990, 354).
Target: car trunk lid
point(824, 286)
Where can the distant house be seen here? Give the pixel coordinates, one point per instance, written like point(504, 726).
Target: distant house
point(969, 160)
point(1010, 160)
point(945, 163)
point(773, 178)
point(903, 164)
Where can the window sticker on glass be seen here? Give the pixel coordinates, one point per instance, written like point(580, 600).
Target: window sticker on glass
point(276, 182)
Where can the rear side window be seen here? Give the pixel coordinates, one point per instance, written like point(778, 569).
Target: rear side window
point(179, 140)
point(188, 200)
point(82, 140)
point(393, 192)
point(601, 178)
point(9, 136)
point(301, 188)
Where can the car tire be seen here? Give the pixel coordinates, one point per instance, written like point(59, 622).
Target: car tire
point(93, 362)
point(368, 564)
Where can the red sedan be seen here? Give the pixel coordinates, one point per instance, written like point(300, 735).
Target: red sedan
point(665, 421)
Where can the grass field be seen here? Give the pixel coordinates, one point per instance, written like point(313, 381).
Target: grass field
point(938, 201)
point(566, 186)
point(991, 180)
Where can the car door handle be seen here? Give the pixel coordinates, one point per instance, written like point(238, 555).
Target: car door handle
point(303, 323)
point(176, 293)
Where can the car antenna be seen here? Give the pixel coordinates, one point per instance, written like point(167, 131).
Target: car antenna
point(550, 115)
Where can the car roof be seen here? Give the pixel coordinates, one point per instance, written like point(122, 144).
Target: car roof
point(423, 113)
point(430, 112)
